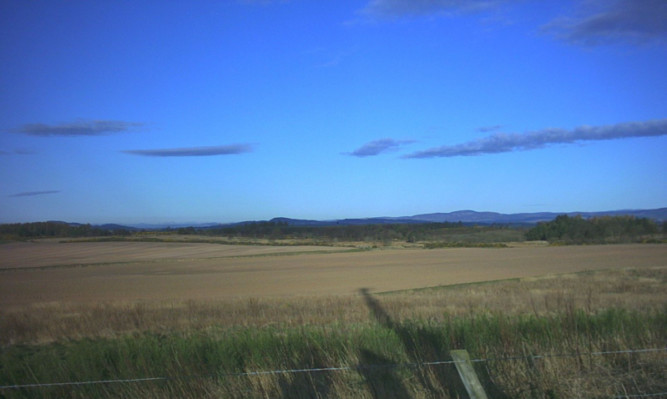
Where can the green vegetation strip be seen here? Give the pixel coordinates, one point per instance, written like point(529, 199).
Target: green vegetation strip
point(221, 352)
point(458, 285)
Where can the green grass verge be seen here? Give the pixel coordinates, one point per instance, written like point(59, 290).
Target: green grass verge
point(200, 364)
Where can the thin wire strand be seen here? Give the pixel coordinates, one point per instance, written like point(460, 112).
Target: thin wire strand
point(550, 355)
point(341, 368)
point(60, 384)
point(642, 395)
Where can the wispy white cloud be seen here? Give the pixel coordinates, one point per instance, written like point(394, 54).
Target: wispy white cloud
point(34, 193)
point(628, 21)
point(378, 147)
point(333, 60)
point(502, 142)
point(486, 129)
point(591, 22)
point(16, 152)
point(400, 8)
point(194, 151)
point(78, 128)
point(328, 57)
point(262, 2)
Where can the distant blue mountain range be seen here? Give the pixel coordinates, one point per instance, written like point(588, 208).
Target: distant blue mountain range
point(467, 217)
point(474, 217)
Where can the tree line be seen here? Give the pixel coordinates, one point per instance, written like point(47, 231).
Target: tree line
point(607, 229)
point(407, 232)
point(55, 229)
point(563, 229)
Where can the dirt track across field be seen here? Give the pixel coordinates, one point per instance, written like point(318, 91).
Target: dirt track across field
point(33, 273)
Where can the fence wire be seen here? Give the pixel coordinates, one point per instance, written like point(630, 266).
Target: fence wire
point(341, 368)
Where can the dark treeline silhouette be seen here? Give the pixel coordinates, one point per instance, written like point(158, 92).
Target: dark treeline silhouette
point(563, 229)
point(577, 230)
point(56, 229)
point(410, 232)
point(274, 230)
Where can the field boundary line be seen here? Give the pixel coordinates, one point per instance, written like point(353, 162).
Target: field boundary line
point(341, 368)
point(552, 355)
point(72, 383)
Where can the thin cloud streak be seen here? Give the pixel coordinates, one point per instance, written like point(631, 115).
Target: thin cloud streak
point(624, 21)
point(262, 2)
point(501, 142)
point(400, 8)
point(16, 152)
point(23, 152)
point(78, 128)
point(592, 23)
point(194, 151)
point(34, 193)
point(378, 147)
point(486, 129)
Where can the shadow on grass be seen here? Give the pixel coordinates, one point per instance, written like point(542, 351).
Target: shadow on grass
point(382, 381)
point(307, 385)
point(438, 380)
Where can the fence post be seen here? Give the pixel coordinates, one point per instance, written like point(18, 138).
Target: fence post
point(467, 374)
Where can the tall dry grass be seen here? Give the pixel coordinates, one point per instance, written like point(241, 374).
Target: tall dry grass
point(202, 346)
point(629, 289)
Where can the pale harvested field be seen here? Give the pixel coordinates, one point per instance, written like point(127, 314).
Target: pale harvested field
point(80, 273)
point(52, 253)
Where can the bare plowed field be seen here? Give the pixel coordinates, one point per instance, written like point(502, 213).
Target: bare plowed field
point(51, 253)
point(82, 272)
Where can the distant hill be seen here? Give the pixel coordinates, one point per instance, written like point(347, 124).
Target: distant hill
point(112, 226)
point(659, 215)
point(473, 217)
point(177, 225)
point(107, 226)
point(344, 222)
point(467, 217)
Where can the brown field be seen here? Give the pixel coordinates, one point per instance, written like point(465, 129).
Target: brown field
point(103, 307)
point(48, 272)
point(46, 253)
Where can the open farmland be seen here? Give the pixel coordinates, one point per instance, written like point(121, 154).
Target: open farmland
point(45, 272)
point(53, 253)
point(200, 320)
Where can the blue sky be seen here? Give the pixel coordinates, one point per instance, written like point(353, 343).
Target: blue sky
point(223, 111)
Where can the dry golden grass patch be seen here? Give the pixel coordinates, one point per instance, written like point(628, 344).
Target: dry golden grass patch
point(630, 289)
